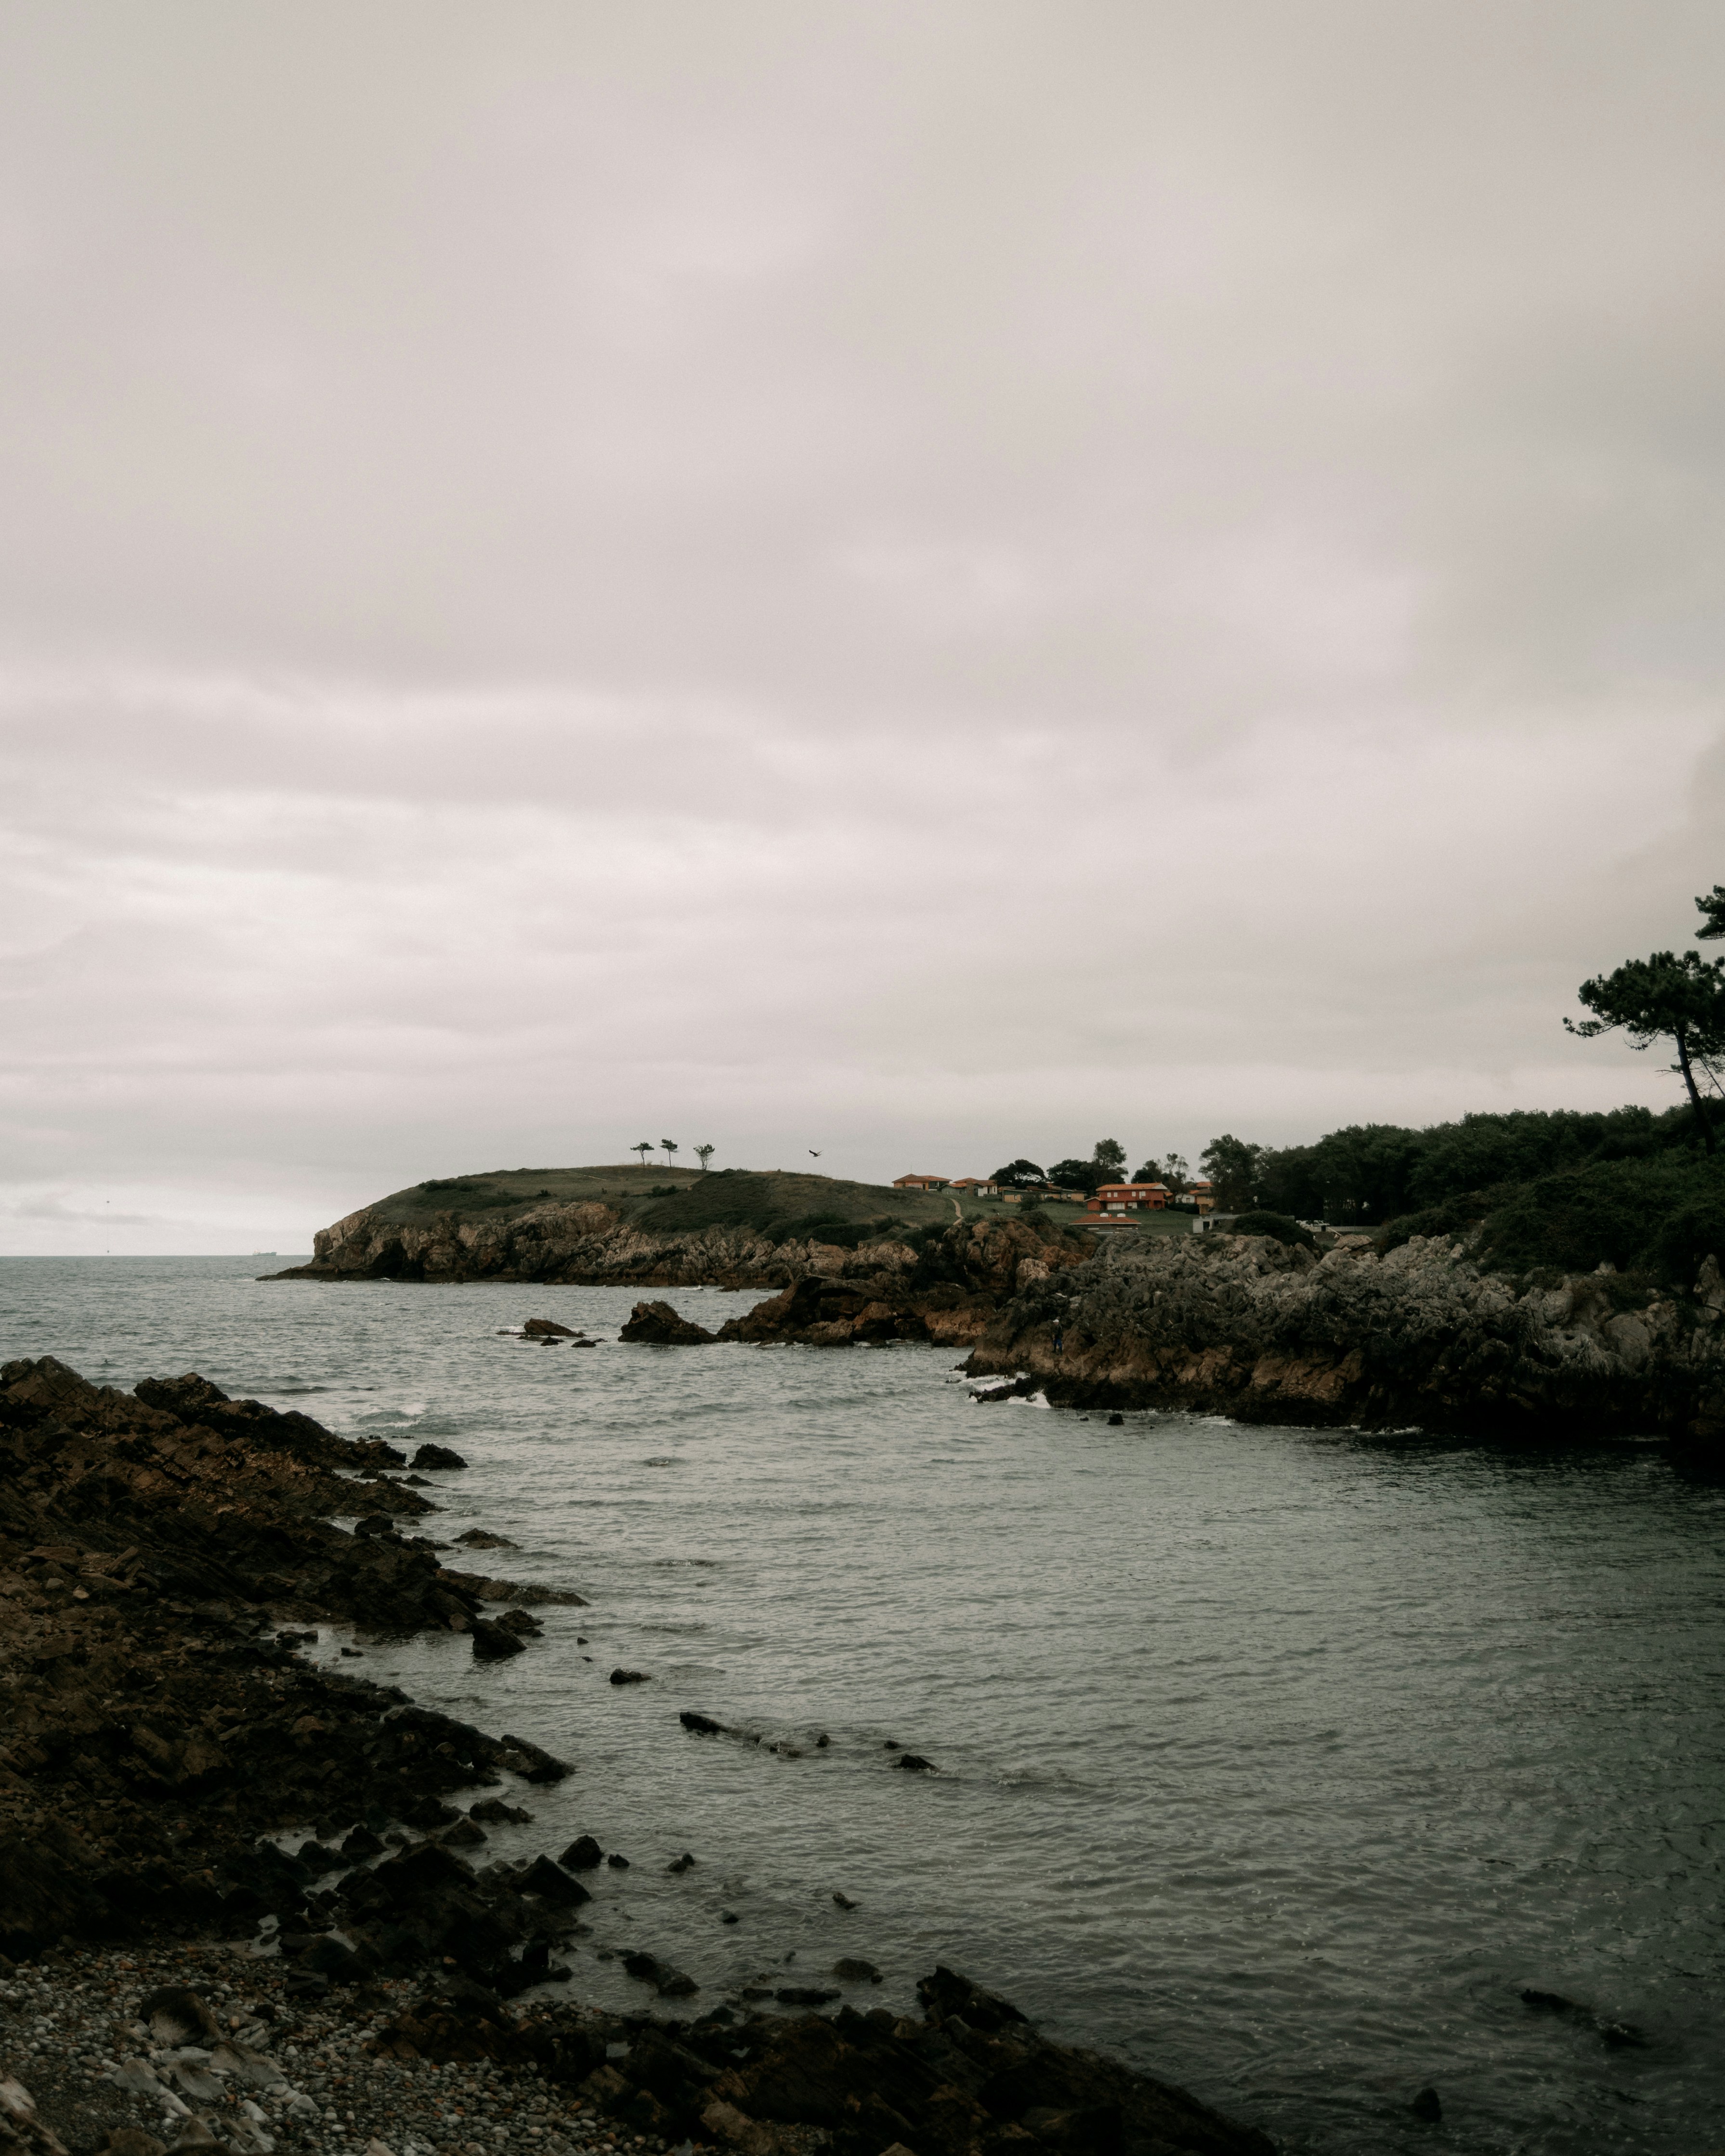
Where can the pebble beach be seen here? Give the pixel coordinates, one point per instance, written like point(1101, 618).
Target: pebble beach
point(72, 2038)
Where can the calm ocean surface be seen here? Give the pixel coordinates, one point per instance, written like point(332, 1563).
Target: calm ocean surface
point(1277, 1761)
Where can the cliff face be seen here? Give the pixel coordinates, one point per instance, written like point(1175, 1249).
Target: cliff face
point(947, 1290)
point(1246, 1327)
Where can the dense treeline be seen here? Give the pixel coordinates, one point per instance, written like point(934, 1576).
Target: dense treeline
point(1370, 1173)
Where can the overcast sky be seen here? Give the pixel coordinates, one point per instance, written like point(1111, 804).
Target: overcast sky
point(925, 581)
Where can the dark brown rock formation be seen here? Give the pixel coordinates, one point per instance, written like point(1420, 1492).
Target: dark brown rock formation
point(150, 1726)
point(657, 1325)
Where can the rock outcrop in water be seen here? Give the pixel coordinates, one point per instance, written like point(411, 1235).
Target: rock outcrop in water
point(833, 1294)
point(1251, 1327)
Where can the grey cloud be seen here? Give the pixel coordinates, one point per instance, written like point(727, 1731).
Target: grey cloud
point(920, 580)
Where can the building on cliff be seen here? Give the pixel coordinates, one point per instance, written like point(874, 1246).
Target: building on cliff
point(919, 1182)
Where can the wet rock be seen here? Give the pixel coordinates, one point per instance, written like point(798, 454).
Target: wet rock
point(429, 1814)
point(490, 1642)
point(374, 1523)
point(913, 1763)
point(527, 1760)
point(701, 1725)
point(849, 1970)
point(547, 1328)
point(360, 1845)
point(584, 1853)
point(629, 1676)
point(520, 1622)
point(478, 1539)
point(494, 1812)
point(669, 1983)
point(465, 1834)
point(1426, 2106)
point(437, 1456)
point(657, 1325)
point(946, 1992)
point(130, 2141)
point(618, 1863)
point(804, 1994)
point(1115, 1421)
point(686, 1862)
point(551, 1883)
point(844, 1900)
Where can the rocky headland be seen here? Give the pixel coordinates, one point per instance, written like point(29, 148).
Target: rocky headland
point(250, 1917)
point(1266, 1330)
point(939, 1280)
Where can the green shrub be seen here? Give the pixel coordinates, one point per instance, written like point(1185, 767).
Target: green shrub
point(1277, 1225)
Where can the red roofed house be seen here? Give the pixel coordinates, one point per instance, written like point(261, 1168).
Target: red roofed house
point(978, 1185)
point(1130, 1198)
point(919, 1182)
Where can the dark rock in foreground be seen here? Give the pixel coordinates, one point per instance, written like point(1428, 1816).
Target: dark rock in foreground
point(151, 1726)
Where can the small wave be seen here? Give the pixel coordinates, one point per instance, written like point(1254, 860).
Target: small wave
point(662, 1460)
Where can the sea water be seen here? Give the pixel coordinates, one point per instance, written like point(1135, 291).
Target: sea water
point(1279, 1762)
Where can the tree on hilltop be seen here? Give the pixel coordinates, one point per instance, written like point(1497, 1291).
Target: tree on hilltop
point(1173, 1173)
point(1711, 909)
point(1232, 1166)
point(1664, 997)
point(1110, 1156)
point(1085, 1175)
point(1019, 1175)
point(644, 1148)
point(668, 1147)
point(704, 1153)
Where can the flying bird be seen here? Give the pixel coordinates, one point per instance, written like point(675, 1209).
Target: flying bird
point(813, 1154)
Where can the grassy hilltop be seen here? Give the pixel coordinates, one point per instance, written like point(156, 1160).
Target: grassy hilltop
point(780, 1204)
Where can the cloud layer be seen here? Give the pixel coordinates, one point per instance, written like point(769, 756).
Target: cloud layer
point(928, 583)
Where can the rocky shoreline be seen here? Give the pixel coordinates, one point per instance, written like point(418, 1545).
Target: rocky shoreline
point(173, 1771)
point(944, 1289)
point(1265, 1330)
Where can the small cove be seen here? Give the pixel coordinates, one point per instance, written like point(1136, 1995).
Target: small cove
point(1278, 1761)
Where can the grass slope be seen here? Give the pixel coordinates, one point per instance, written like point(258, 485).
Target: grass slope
point(668, 1200)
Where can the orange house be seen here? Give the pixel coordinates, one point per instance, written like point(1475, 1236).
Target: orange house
point(919, 1182)
point(1130, 1198)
